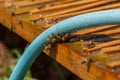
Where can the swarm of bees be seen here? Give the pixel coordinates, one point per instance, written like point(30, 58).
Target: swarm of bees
point(56, 38)
point(71, 37)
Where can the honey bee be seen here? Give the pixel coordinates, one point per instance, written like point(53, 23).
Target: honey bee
point(12, 13)
point(90, 44)
point(88, 62)
point(41, 6)
point(48, 47)
point(56, 38)
point(65, 37)
point(20, 22)
point(48, 40)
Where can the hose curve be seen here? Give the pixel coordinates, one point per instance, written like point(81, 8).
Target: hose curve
point(66, 26)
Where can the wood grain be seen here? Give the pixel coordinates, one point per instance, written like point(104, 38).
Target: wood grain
point(68, 54)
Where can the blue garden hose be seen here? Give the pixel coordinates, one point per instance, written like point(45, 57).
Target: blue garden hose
point(66, 26)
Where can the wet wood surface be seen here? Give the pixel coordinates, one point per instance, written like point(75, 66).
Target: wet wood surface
point(100, 45)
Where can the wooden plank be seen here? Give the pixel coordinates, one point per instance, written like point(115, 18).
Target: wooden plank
point(45, 4)
point(111, 49)
point(90, 5)
point(72, 60)
point(62, 6)
point(67, 54)
point(115, 42)
point(26, 3)
point(96, 29)
point(111, 6)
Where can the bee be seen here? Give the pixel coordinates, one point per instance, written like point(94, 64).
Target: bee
point(56, 36)
point(51, 5)
point(51, 20)
point(88, 62)
point(65, 37)
point(84, 60)
point(55, 20)
point(12, 14)
point(48, 40)
point(12, 28)
point(41, 6)
point(20, 22)
point(90, 44)
point(48, 47)
point(54, 40)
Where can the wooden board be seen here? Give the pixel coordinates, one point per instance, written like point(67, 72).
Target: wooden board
point(29, 20)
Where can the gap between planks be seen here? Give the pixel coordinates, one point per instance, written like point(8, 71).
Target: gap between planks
point(87, 6)
point(62, 6)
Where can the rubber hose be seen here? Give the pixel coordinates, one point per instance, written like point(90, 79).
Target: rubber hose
point(66, 26)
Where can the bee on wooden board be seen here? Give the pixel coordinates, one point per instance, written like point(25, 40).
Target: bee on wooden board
point(12, 13)
point(56, 38)
point(88, 62)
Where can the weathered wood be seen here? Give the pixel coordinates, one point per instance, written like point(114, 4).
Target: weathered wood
point(90, 5)
point(62, 6)
point(23, 11)
point(111, 49)
point(70, 55)
point(111, 6)
point(115, 42)
point(31, 3)
point(96, 29)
